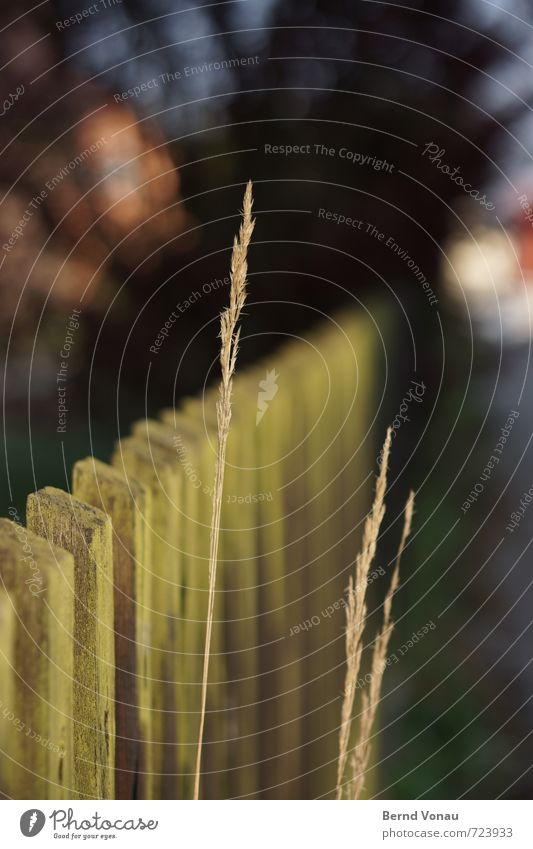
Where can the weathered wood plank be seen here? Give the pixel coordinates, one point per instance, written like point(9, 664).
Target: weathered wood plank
point(240, 519)
point(324, 532)
point(36, 611)
point(86, 532)
point(8, 763)
point(155, 468)
point(281, 560)
point(197, 446)
point(340, 405)
point(128, 503)
point(194, 438)
point(180, 454)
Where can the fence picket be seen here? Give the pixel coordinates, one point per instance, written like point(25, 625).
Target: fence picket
point(86, 532)
point(195, 426)
point(155, 468)
point(36, 666)
point(128, 504)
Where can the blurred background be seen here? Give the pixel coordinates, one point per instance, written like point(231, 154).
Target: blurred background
point(390, 149)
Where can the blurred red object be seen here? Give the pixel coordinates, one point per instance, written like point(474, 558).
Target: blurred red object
point(90, 192)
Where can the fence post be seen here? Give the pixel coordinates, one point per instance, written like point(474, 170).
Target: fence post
point(128, 504)
point(86, 532)
point(37, 617)
point(340, 403)
point(240, 519)
point(281, 557)
point(145, 462)
point(194, 443)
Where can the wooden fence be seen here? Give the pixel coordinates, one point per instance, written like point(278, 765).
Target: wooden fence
point(103, 594)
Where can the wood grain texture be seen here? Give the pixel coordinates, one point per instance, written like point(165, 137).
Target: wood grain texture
point(36, 666)
point(281, 555)
point(128, 504)
point(240, 520)
point(181, 454)
point(87, 533)
point(155, 468)
point(219, 733)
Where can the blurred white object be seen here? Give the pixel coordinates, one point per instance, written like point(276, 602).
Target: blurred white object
point(483, 280)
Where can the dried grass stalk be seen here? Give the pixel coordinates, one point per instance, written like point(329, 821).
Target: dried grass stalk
point(356, 610)
point(370, 702)
point(229, 346)
point(355, 625)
